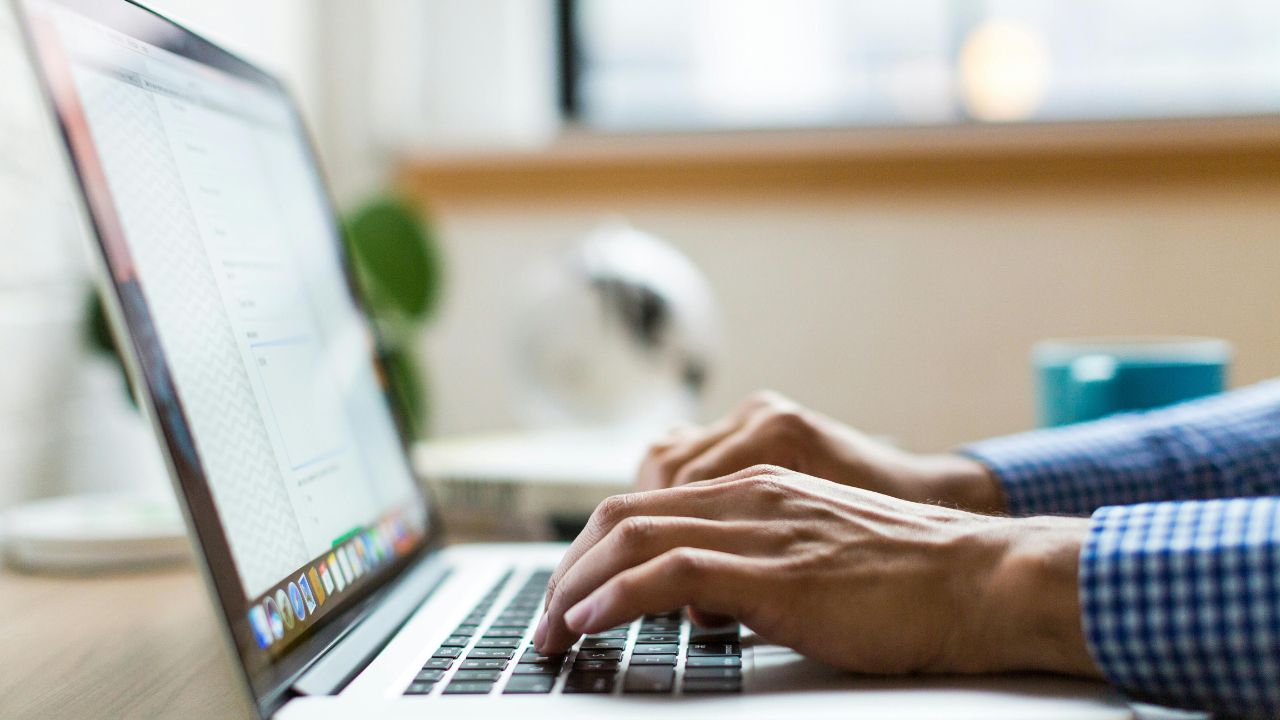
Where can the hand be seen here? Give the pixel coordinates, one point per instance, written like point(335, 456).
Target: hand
point(770, 429)
point(859, 580)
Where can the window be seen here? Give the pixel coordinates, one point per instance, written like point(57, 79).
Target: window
point(709, 64)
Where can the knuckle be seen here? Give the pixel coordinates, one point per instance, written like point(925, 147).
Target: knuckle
point(772, 487)
point(790, 422)
point(612, 509)
point(636, 529)
point(764, 472)
point(683, 562)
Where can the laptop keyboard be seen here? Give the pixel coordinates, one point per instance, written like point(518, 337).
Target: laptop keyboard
point(659, 654)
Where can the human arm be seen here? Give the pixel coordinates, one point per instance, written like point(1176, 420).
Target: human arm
point(860, 580)
point(769, 429)
point(1224, 446)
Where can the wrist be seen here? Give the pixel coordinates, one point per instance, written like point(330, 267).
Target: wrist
point(963, 482)
point(1027, 613)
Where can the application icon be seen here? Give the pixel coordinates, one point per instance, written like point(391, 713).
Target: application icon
point(326, 577)
point(296, 601)
point(335, 567)
point(308, 597)
point(261, 629)
point(286, 609)
point(273, 617)
point(362, 554)
point(316, 586)
point(348, 562)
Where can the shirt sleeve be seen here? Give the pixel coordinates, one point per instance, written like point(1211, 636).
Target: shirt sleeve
point(1227, 445)
point(1181, 603)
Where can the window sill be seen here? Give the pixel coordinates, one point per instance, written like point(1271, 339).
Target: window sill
point(587, 166)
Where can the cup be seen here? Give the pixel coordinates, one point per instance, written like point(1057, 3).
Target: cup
point(1089, 378)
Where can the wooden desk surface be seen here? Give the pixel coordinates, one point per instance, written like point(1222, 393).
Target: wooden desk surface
point(141, 645)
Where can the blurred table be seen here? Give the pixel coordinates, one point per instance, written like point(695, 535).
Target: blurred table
point(143, 645)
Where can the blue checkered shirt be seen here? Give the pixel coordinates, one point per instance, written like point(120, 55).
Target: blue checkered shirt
point(1180, 573)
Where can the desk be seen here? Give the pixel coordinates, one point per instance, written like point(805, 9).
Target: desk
point(142, 645)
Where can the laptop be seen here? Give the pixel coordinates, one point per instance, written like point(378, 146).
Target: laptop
point(223, 269)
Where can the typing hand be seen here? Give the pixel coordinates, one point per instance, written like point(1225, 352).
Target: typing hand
point(770, 429)
point(859, 580)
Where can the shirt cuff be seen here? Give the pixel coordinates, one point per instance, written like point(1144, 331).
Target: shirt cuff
point(1075, 470)
point(1180, 602)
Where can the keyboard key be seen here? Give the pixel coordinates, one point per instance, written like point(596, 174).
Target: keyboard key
point(438, 664)
point(533, 656)
point(604, 643)
point(429, 675)
point(420, 688)
point(466, 629)
point(529, 669)
point(713, 673)
point(485, 675)
point(504, 653)
point(589, 683)
point(653, 660)
point(711, 649)
point(448, 652)
point(650, 638)
point(700, 685)
point(456, 641)
point(497, 632)
point(650, 679)
point(609, 634)
point(468, 687)
point(530, 684)
point(670, 615)
point(484, 664)
point(601, 654)
point(718, 633)
point(595, 665)
point(509, 643)
point(713, 662)
point(656, 649)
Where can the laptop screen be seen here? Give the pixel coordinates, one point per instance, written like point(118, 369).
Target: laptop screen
point(230, 275)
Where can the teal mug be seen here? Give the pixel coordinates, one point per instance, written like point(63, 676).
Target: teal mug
point(1090, 378)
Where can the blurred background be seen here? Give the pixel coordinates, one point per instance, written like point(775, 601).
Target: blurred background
point(890, 202)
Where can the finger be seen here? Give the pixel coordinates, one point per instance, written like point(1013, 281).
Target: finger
point(734, 452)
point(718, 583)
point(633, 542)
point(704, 500)
point(667, 456)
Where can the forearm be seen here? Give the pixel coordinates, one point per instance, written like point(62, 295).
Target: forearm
point(1226, 446)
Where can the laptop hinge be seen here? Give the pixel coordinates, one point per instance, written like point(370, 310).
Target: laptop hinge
point(337, 666)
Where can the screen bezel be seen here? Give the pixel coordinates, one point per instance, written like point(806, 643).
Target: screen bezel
point(268, 679)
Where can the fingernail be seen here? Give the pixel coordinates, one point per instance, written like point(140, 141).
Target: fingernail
point(579, 615)
point(541, 633)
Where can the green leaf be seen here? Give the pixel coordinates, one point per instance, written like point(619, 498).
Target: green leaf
point(398, 261)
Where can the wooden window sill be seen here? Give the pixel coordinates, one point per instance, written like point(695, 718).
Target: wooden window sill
point(586, 166)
